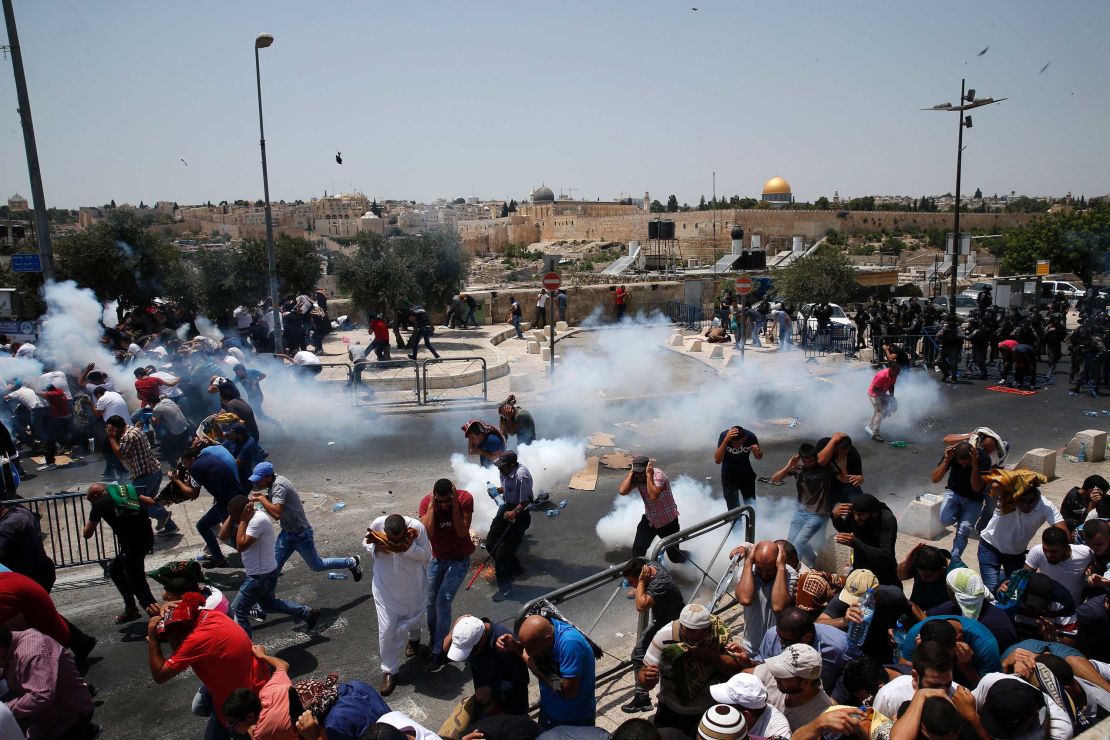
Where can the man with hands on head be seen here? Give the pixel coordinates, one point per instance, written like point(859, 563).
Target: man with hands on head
point(660, 517)
point(765, 588)
point(734, 448)
point(814, 473)
point(656, 591)
point(870, 528)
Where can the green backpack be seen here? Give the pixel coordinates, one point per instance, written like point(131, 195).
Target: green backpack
point(125, 498)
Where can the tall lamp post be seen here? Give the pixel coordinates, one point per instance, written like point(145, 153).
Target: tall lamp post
point(263, 41)
point(967, 102)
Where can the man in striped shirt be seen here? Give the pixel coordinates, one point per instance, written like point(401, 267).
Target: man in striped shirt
point(131, 446)
point(660, 517)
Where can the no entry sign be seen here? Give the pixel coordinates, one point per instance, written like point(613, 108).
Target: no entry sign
point(743, 285)
point(552, 281)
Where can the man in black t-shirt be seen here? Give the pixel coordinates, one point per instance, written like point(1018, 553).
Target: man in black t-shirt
point(1080, 500)
point(21, 549)
point(735, 445)
point(654, 590)
point(965, 490)
point(849, 479)
point(135, 537)
point(500, 676)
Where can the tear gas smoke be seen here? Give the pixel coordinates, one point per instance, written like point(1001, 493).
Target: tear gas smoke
point(71, 332)
point(208, 329)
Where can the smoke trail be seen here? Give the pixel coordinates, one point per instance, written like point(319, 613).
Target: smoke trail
point(71, 332)
point(208, 329)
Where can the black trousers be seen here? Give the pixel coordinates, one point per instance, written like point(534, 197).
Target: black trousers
point(645, 533)
point(505, 538)
point(737, 487)
point(128, 571)
point(667, 717)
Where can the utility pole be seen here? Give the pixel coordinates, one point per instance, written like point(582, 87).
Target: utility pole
point(42, 225)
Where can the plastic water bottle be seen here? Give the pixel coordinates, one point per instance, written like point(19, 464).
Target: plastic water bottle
point(339, 506)
point(333, 576)
point(857, 632)
point(1090, 413)
point(495, 495)
point(899, 444)
point(899, 635)
point(563, 504)
point(1082, 457)
point(553, 512)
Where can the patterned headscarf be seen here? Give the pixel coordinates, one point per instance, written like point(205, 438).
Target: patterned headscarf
point(1015, 483)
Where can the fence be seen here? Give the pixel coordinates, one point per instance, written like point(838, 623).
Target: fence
point(442, 387)
point(385, 382)
point(62, 518)
point(838, 339)
point(689, 316)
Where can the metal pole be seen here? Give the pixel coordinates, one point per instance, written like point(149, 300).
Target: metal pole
point(551, 339)
point(42, 225)
point(275, 306)
point(956, 236)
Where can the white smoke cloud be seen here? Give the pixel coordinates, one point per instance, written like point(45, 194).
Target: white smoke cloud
point(208, 329)
point(71, 332)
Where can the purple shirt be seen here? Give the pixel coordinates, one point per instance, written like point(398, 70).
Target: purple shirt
point(50, 695)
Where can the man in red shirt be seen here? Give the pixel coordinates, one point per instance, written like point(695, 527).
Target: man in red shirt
point(881, 393)
point(445, 513)
point(380, 329)
point(59, 428)
point(23, 599)
point(148, 387)
point(619, 298)
point(214, 646)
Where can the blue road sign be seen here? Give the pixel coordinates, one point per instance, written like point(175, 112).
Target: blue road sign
point(26, 263)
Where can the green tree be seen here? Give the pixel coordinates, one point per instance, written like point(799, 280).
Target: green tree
point(825, 276)
point(822, 203)
point(702, 205)
point(657, 207)
point(1076, 241)
point(672, 204)
point(862, 204)
point(230, 277)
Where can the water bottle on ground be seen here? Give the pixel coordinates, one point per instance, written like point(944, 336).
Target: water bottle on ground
point(495, 495)
point(339, 506)
point(333, 576)
point(1082, 457)
point(553, 512)
point(857, 631)
point(899, 635)
point(899, 444)
point(563, 504)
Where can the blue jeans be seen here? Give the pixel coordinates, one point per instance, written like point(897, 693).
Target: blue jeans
point(516, 325)
point(149, 485)
point(212, 518)
point(302, 542)
point(964, 513)
point(804, 526)
point(470, 320)
point(259, 590)
point(995, 566)
point(444, 579)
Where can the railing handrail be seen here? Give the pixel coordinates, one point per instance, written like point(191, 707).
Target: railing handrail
point(440, 360)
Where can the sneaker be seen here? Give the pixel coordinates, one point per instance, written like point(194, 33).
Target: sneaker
point(171, 528)
point(312, 618)
point(257, 614)
point(439, 661)
point(162, 521)
point(502, 596)
point(877, 437)
point(640, 703)
point(356, 569)
point(48, 466)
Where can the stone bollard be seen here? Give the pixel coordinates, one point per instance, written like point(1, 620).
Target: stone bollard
point(1095, 442)
point(539, 335)
point(834, 557)
point(1040, 460)
point(561, 326)
point(533, 348)
point(695, 346)
point(547, 330)
point(675, 340)
point(717, 353)
point(520, 384)
point(545, 354)
point(867, 354)
point(922, 517)
point(525, 326)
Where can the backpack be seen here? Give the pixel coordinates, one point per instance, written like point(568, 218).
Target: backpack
point(125, 498)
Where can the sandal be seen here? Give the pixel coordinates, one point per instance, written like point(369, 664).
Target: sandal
point(129, 616)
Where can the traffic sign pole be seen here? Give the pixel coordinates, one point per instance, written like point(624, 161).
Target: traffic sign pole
point(743, 287)
point(551, 283)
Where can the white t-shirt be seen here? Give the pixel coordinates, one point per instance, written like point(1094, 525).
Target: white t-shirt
point(26, 350)
point(243, 320)
point(304, 357)
point(407, 724)
point(1010, 533)
point(57, 379)
point(171, 391)
point(108, 385)
point(541, 300)
point(112, 404)
point(1059, 724)
point(268, 320)
point(9, 728)
point(893, 694)
point(772, 723)
point(27, 397)
point(1068, 573)
point(258, 559)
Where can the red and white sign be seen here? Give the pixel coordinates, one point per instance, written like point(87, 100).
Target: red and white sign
point(553, 280)
point(744, 285)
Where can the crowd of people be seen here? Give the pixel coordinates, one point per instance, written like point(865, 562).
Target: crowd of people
point(923, 646)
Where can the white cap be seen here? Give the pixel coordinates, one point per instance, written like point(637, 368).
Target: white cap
point(465, 637)
point(742, 690)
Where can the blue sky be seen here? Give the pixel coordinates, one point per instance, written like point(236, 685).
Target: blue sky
point(430, 99)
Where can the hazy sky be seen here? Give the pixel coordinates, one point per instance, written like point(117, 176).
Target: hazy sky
point(451, 98)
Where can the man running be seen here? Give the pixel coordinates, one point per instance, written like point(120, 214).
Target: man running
point(660, 517)
point(446, 513)
point(506, 532)
point(881, 393)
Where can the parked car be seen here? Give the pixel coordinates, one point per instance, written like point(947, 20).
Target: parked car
point(965, 304)
point(839, 318)
point(973, 290)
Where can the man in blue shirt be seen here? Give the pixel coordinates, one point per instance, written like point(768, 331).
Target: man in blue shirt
point(975, 649)
point(506, 531)
point(563, 661)
point(796, 626)
point(216, 472)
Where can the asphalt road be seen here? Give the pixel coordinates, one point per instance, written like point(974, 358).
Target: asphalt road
point(393, 464)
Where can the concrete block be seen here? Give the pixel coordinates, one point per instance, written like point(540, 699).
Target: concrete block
point(1040, 460)
point(545, 354)
point(521, 384)
point(561, 326)
point(867, 354)
point(695, 346)
point(734, 360)
point(922, 517)
point(675, 340)
point(717, 353)
point(834, 557)
point(533, 348)
point(525, 325)
point(547, 330)
point(539, 335)
point(1095, 442)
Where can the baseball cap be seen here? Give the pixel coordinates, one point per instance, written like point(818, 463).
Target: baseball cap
point(796, 661)
point(640, 463)
point(1010, 703)
point(1038, 593)
point(721, 722)
point(694, 617)
point(969, 590)
point(507, 458)
point(815, 590)
point(261, 470)
point(465, 637)
point(742, 690)
point(858, 583)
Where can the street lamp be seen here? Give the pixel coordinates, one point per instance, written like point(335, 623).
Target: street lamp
point(967, 102)
point(263, 41)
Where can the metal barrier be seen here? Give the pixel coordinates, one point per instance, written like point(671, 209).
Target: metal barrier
point(385, 382)
point(445, 384)
point(689, 316)
point(724, 521)
point(62, 518)
point(839, 339)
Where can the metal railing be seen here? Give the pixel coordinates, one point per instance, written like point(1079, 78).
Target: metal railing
point(332, 372)
point(385, 382)
point(687, 315)
point(447, 387)
point(727, 523)
point(62, 518)
point(836, 339)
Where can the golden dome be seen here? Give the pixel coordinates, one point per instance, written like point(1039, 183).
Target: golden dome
point(776, 186)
